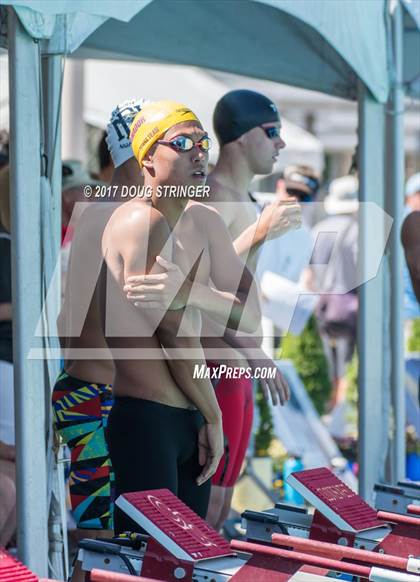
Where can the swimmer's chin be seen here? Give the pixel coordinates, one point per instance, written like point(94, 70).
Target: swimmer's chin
point(198, 180)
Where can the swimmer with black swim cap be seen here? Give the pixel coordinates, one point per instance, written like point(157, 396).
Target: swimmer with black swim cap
point(248, 128)
point(239, 111)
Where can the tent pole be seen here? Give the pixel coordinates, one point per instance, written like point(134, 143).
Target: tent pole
point(52, 80)
point(52, 88)
point(26, 283)
point(372, 341)
point(396, 165)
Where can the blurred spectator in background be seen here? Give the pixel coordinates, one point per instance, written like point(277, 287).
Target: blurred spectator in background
point(74, 179)
point(290, 254)
point(106, 167)
point(334, 271)
point(410, 237)
point(7, 420)
point(4, 148)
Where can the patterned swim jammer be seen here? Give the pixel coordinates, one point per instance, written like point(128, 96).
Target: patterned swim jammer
point(80, 417)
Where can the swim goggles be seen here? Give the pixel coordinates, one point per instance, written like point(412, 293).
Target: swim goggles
point(183, 143)
point(272, 132)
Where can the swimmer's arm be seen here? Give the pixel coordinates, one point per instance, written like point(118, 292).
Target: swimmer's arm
point(410, 238)
point(233, 301)
point(188, 350)
point(186, 356)
point(275, 219)
point(248, 243)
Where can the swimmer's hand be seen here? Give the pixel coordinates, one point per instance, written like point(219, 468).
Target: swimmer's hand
point(279, 217)
point(169, 290)
point(210, 449)
point(277, 388)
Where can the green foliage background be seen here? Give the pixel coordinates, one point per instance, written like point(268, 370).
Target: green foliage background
point(414, 340)
point(264, 434)
point(307, 354)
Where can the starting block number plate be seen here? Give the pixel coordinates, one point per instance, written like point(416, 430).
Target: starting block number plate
point(337, 502)
point(174, 525)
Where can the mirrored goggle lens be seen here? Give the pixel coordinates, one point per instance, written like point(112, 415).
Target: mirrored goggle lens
point(272, 132)
point(185, 144)
point(205, 144)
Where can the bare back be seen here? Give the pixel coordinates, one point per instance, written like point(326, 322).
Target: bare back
point(79, 322)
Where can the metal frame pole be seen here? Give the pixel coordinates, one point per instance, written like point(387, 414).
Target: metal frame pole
point(51, 212)
point(396, 165)
point(32, 532)
point(372, 334)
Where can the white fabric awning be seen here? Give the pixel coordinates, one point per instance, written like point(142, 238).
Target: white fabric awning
point(107, 83)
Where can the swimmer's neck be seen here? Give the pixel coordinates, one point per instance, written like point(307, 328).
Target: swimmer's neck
point(171, 207)
point(232, 170)
point(128, 174)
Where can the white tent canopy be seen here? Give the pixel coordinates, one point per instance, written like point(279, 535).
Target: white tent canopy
point(190, 85)
point(333, 44)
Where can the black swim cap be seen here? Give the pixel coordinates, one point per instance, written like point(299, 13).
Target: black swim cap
point(239, 111)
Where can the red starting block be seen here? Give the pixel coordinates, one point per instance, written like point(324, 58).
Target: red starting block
point(179, 538)
point(341, 516)
point(11, 570)
point(320, 563)
point(183, 547)
point(106, 576)
point(414, 509)
point(342, 552)
point(172, 523)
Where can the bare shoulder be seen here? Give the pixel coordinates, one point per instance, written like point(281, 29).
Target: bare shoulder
point(134, 218)
point(410, 230)
point(219, 192)
point(202, 213)
point(93, 221)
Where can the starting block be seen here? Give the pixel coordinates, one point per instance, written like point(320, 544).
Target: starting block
point(183, 547)
point(398, 498)
point(11, 570)
point(180, 544)
point(340, 517)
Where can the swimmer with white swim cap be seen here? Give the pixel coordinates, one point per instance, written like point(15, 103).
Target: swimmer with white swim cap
point(80, 329)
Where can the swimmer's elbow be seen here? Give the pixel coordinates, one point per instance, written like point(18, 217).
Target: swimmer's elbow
point(251, 315)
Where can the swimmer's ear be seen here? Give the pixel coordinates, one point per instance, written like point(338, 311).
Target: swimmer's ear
point(242, 140)
point(147, 161)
